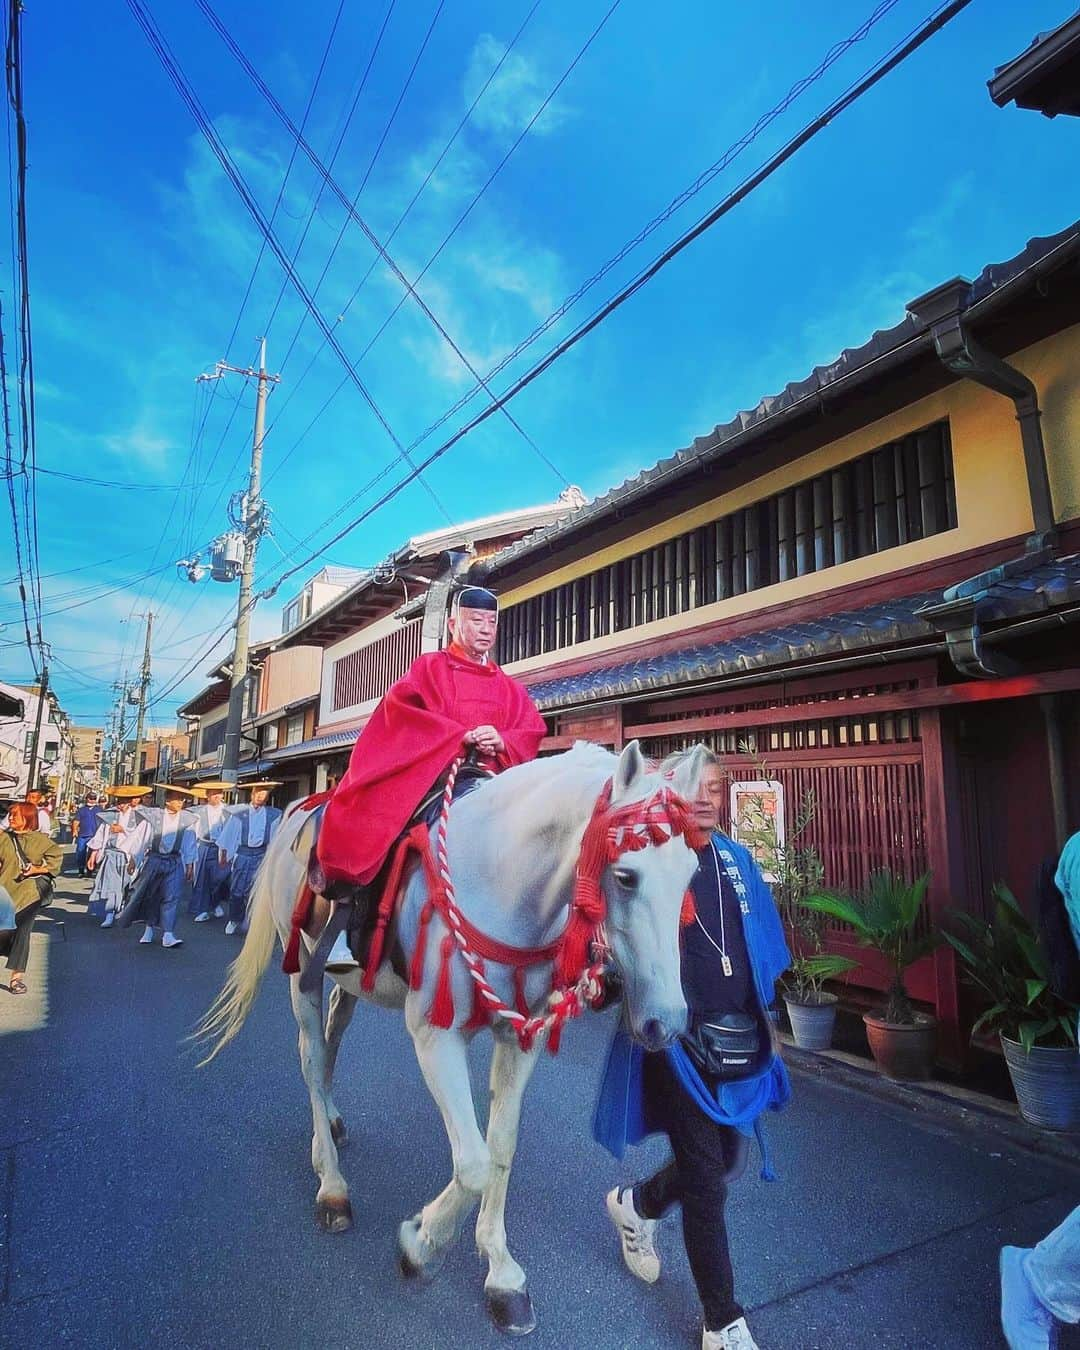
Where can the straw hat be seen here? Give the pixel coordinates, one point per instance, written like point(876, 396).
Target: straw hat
point(267, 783)
point(216, 785)
point(175, 790)
point(128, 791)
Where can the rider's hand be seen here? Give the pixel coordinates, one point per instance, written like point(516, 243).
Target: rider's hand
point(486, 739)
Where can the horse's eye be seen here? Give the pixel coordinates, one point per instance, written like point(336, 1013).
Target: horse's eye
point(626, 877)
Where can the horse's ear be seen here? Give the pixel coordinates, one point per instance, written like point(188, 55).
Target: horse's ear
point(688, 775)
point(629, 769)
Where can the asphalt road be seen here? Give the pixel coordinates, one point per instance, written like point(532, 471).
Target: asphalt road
point(146, 1202)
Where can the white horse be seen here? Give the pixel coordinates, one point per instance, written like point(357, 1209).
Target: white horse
point(513, 848)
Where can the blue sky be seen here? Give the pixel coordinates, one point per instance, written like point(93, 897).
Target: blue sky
point(141, 253)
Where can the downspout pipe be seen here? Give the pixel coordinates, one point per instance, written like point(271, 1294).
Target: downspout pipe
point(941, 311)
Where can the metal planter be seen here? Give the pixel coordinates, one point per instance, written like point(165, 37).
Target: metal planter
point(1046, 1083)
point(812, 1023)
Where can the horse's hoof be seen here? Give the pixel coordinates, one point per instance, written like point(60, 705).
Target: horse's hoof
point(334, 1214)
point(413, 1261)
point(338, 1133)
point(511, 1311)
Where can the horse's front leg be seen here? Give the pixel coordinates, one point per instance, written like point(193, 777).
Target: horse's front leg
point(507, 1297)
point(444, 1064)
point(332, 1208)
point(342, 1006)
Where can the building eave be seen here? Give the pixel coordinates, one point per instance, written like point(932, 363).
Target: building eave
point(1045, 77)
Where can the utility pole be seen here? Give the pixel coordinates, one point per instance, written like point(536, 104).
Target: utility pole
point(254, 523)
point(118, 741)
point(144, 685)
point(43, 694)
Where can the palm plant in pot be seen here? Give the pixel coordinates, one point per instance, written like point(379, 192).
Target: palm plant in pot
point(1005, 962)
point(794, 869)
point(885, 918)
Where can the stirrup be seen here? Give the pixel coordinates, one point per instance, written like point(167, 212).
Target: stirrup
point(341, 960)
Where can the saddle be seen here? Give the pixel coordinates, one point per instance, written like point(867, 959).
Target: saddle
point(359, 916)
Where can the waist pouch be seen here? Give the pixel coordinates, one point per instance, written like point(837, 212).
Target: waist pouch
point(726, 1048)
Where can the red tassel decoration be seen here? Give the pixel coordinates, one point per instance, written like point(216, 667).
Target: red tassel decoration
point(416, 972)
point(555, 1038)
point(479, 1017)
point(519, 991)
point(441, 1013)
point(688, 913)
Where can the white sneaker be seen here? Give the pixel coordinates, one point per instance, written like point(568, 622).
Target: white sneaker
point(231, 927)
point(636, 1234)
point(204, 917)
point(171, 940)
point(109, 920)
point(148, 935)
point(219, 913)
point(735, 1336)
point(341, 960)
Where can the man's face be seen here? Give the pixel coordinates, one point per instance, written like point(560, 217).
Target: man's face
point(91, 801)
point(710, 796)
point(474, 631)
point(260, 796)
point(173, 804)
point(215, 798)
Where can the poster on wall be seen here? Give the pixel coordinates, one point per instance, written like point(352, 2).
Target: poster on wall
point(757, 821)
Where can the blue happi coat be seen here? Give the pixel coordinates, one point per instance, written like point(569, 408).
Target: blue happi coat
point(621, 1115)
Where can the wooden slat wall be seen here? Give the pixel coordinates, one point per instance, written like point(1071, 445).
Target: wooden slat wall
point(369, 672)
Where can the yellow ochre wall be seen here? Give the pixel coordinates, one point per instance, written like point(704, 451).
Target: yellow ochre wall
point(992, 499)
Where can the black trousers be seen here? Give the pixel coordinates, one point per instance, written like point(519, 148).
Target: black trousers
point(17, 944)
point(696, 1179)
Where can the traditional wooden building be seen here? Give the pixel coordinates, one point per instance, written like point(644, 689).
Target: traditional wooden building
point(870, 581)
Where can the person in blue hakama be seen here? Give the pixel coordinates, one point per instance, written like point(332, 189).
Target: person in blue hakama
point(243, 845)
point(733, 951)
point(210, 893)
point(168, 862)
point(115, 851)
point(83, 828)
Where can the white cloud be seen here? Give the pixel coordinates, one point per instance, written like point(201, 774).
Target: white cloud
point(140, 442)
point(514, 94)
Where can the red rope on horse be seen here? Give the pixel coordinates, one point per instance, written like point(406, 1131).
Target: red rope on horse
point(290, 962)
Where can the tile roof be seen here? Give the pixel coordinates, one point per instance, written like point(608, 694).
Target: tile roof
point(332, 740)
point(1048, 585)
point(887, 347)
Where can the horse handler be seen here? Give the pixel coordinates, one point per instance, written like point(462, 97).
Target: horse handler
point(707, 1091)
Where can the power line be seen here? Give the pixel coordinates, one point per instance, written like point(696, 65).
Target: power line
point(900, 53)
point(352, 214)
point(221, 153)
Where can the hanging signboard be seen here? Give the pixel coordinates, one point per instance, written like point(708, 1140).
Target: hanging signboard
point(757, 821)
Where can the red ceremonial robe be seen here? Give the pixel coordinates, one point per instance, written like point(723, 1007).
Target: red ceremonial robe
point(413, 736)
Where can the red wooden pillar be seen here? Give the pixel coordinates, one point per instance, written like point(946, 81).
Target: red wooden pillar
point(944, 854)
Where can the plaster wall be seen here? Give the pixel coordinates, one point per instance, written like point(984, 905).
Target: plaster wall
point(992, 501)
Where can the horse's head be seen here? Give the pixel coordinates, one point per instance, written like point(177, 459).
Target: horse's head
point(644, 888)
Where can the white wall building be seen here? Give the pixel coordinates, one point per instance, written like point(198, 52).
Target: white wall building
point(16, 739)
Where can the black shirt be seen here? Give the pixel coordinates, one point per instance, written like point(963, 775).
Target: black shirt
point(708, 991)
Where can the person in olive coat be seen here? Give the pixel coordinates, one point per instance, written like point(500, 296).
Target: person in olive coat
point(26, 855)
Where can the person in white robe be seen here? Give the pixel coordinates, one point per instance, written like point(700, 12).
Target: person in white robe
point(243, 844)
point(168, 862)
point(210, 893)
point(115, 851)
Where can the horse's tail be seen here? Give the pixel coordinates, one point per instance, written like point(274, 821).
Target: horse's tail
point(226, 1015)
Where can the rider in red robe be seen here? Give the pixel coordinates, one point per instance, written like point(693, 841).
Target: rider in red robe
point(449, 699)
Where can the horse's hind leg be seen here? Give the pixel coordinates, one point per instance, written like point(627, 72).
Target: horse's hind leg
point(507, 1297)
point(445, 1066)
point(332, 1208)
point(342, 1006)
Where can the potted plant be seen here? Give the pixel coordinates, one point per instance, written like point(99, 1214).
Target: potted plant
point(1005, 962)
point(794, 870)
point(885, 918)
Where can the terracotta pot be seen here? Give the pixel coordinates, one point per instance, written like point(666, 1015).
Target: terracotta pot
point(904, 1052)
point(812, 1023)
